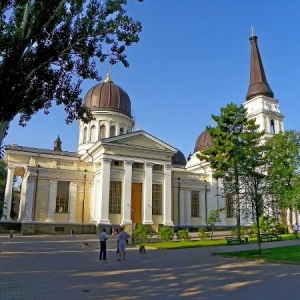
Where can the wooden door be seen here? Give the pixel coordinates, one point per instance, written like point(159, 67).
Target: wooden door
point(136, 202)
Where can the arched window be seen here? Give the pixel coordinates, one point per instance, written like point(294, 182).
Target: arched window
point(272, 127)
point(121, 130)
point(112, 131)
point(93, 134)
point(102, 131)
point(84, 135)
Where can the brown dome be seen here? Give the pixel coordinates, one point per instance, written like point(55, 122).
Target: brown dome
point(203, 142)
point(108, 96)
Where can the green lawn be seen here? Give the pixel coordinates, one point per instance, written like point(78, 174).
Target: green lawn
point(197, 243)
point(290, 254)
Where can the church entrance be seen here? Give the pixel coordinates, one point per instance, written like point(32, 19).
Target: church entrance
point(136, 202)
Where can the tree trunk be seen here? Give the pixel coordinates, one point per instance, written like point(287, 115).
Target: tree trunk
point(238, 208)
point(3, 130)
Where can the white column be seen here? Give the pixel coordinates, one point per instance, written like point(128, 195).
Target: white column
point(167, 204)
point(107, 133)
point(126, 197)
point(188, 208)
point(118, 128)
point(104, 191)
point(30, 192)
point(8, 193)
point(73, 191)
point(147, 199)
point(52, 200)
point(182, 206)
point(22, 200)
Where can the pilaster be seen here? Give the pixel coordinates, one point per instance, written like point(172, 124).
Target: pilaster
point(52, 200)
point(72, 207)
point(104, 191)
point(147, 199)
point(188, 208)
point(167, 207)
point(126, 197)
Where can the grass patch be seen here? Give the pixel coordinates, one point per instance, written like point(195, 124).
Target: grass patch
point(290, 254)
point(198, 243)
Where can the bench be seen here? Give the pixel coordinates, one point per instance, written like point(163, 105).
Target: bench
point(234, 240)
point(270, 237)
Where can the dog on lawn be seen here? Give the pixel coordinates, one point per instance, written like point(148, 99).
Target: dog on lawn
point(142, 251)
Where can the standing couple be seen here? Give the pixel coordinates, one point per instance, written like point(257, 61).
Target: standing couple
point(121, 244)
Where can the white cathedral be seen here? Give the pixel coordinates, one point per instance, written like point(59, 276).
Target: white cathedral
point(119, 176)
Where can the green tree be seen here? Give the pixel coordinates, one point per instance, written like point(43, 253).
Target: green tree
point(48, 47)
point(214, 218)
point(231, 136)
point(283, 153)
point(255, 191)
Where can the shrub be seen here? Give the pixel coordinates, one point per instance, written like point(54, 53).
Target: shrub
point(280, 228)
point(140, 233)
point(166, 233)
point(203, 234)
point(243, 231)
point(253, 229)
point(183, 235)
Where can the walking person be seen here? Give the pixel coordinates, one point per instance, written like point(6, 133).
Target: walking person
point(11, 234)
point(296, 230)
point(121, 244)
point(103, 238)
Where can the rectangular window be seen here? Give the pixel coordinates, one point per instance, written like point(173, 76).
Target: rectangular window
point(158, 168)
point(62, 197)
point(115, 197)
point(138, 166)
point(156, 199)
point(229, 206)
point(195, 204)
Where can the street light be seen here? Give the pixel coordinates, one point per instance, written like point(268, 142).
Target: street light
point(132, 217)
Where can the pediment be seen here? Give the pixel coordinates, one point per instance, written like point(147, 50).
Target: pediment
point(139, 140)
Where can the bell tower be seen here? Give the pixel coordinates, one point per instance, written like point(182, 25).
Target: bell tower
point(260, 101)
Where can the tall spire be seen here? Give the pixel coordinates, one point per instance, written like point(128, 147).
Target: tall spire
point(258, 81)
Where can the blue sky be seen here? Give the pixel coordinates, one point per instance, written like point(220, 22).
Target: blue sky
point(192, 59)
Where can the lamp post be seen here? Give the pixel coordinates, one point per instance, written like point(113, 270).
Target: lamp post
point(178, 202)
point(132, 225)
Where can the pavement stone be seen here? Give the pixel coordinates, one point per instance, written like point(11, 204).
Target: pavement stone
point(58, 267)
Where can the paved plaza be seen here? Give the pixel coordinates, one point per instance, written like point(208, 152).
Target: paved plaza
point(58, 267)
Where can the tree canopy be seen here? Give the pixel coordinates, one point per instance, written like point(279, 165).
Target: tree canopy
point(48, 47)
point(284, 168)
point(232, 136)
point(238, 156)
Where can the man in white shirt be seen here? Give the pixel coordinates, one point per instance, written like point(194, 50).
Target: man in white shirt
point(121, 243)
point(296, 229)
point(103, 238)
